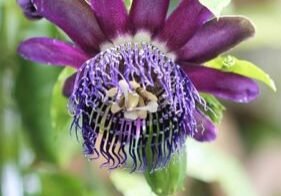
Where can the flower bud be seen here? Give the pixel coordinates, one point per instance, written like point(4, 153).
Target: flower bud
point(170, 179)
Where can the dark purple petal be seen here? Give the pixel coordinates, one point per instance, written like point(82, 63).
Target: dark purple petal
point(224, 85)
point(112, 16)
point(215, 37)
point(51, 51)
point(148, 14)
point(183, 23)
point(206, 130)
point(68, 85)
point(76, 18)
point(28, 9)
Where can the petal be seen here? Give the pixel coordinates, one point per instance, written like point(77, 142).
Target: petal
point(76, 19)
point(68, 85)
point(215, 37)
point(148, 14)
point(183, 23)
point(51, 51)
point(112, 16)
point(28, 9)
point(224, 85)
point(206, 130)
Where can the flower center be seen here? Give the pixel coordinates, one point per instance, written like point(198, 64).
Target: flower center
point(135, 98)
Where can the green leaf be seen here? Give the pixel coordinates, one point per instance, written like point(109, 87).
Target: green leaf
point(63, 184)
point(215, 6)
point(242, 67)
point(209, 164)
point(59, 113)
point(214, 109)
point(33, 92)
point(61, 120)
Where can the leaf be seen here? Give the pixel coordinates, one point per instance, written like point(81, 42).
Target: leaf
point(215, 6)
point(61, 120)
point(63, 183)
point(214, 109)
point(242, 67)
point(59, 113)
point(209, 164)
point(33, 95)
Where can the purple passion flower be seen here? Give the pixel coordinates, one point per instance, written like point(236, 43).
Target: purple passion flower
point(135, 96)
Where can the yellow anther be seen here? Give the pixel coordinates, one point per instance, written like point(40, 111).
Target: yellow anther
point(115, 108)
point(132, 101)
point(112, 92)
point(135, 102)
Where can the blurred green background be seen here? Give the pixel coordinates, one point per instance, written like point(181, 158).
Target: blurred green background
point(37, 158)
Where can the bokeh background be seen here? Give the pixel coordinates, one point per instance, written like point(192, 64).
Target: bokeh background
point(38, 158)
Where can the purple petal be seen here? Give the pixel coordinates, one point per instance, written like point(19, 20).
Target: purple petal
point(69, 85)
point(215, 37)
point(183, 23)
point(76, 19)
point(28, 9)
point(206, 130)
point(224, 85)
point(148, 14)
point(112, 16)
point(51, 51)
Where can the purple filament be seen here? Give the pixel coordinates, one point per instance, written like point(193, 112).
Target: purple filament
point(143, 144)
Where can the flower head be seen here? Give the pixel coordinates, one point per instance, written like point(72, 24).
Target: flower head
point(135, 96)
